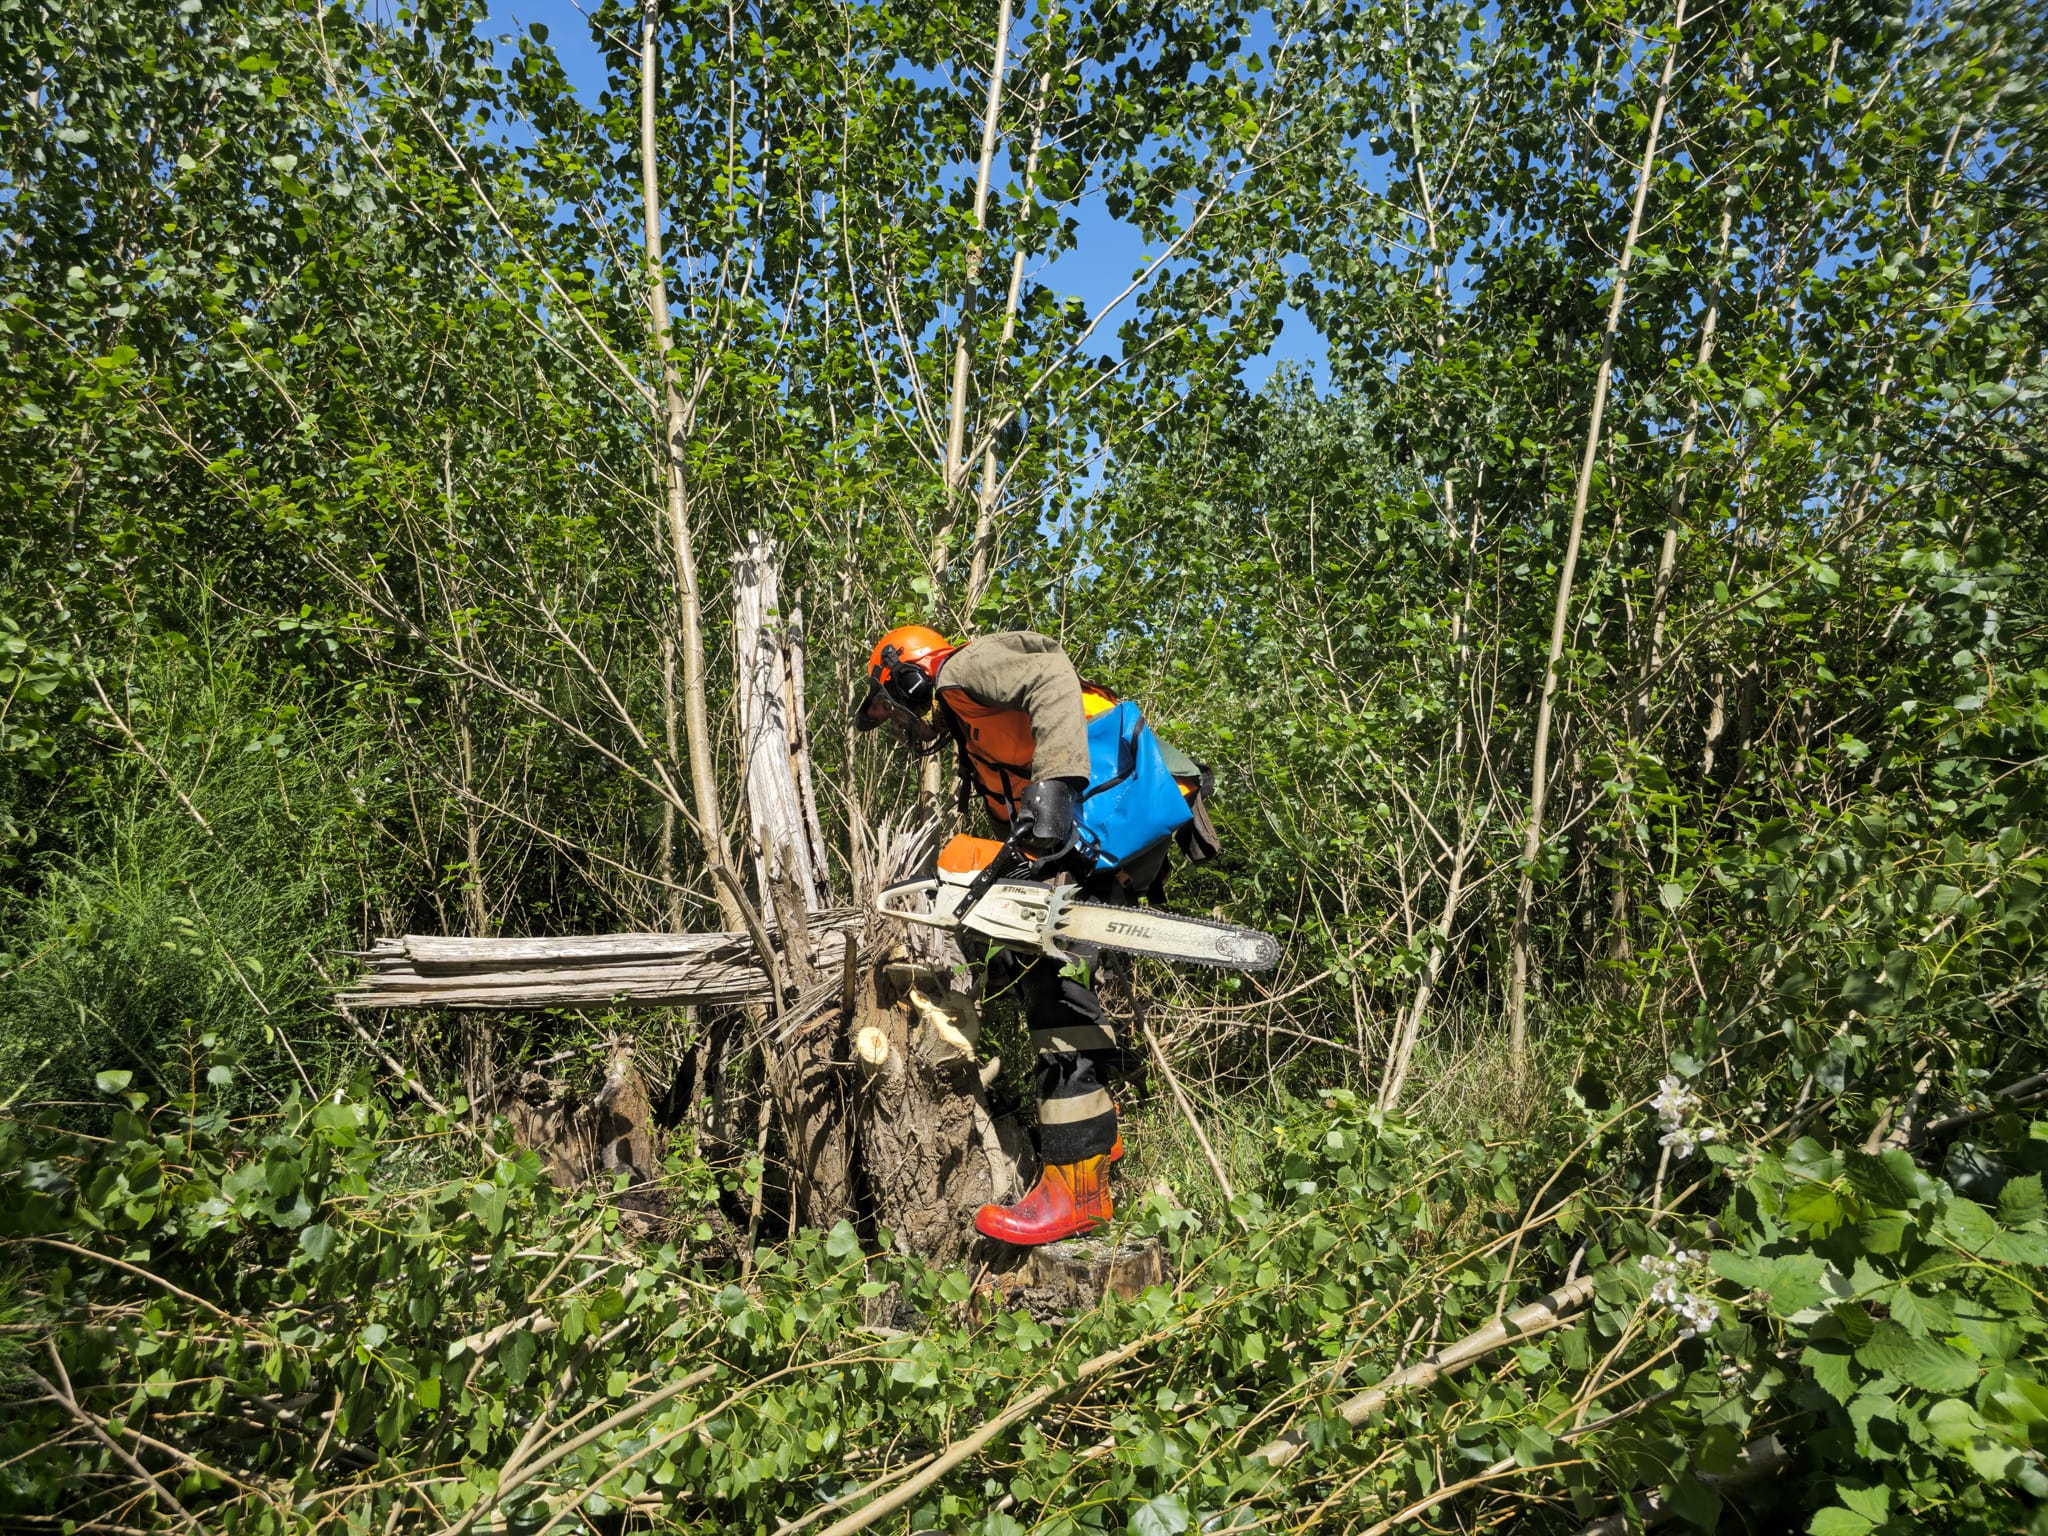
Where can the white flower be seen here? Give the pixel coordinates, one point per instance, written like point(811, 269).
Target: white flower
point(1697, 1314)
point(1675, 1104)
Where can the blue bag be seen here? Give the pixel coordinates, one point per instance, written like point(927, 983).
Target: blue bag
point(1132, 803)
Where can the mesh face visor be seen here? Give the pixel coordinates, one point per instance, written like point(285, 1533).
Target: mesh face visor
point(876, 707)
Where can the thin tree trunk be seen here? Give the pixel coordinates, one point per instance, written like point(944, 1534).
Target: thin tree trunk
point(671, 735)
point(985, 507)
point(1402, 1050)
point(956, 409)
point(1532, 838)
point(675, 426)
point(476, 907)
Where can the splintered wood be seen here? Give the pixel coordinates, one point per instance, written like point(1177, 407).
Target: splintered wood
point(433, 971)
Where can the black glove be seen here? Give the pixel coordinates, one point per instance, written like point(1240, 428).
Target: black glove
point(1045, 816)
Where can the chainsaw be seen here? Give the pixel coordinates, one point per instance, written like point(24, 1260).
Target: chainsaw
point(970, 894)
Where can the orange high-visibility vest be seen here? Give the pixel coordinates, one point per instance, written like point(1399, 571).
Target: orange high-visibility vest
point(1000, 745)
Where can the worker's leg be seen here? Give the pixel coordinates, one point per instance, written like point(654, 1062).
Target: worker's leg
point(1076, 1055)
point(1076, 1119)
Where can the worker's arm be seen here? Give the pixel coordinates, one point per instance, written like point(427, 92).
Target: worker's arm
point(1030, 672)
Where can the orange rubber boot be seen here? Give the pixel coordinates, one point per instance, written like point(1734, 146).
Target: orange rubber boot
point(1068, 1200)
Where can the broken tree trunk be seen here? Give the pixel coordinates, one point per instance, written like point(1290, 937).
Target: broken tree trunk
point(868, 1060)
point(592, 971)
point(803, 1065)
point(788, 843)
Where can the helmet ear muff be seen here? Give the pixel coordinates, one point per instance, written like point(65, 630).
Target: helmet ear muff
point(905, 682)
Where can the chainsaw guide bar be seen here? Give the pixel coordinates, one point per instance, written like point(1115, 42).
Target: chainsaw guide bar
point(1032, 915)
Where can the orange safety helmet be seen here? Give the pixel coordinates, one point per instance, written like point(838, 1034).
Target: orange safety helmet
point(900, 673)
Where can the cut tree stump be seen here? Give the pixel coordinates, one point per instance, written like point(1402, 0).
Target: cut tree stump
point(583, 1136)
point(1060, 1279)
point(933, 1153)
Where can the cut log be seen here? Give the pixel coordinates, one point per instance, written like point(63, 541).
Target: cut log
point(1060, 1279)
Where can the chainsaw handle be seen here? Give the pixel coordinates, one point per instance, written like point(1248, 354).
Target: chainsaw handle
point(1007, 858)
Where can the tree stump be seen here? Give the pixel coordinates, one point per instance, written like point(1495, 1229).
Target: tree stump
point(1061, 1279)
point(582, 1136)
point(931, 1151)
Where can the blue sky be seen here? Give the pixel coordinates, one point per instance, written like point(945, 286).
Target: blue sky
point(1106, 256)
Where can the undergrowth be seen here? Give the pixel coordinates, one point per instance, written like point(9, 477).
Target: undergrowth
point(339, 1316)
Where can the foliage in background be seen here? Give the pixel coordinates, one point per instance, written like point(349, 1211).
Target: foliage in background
point(335, 599)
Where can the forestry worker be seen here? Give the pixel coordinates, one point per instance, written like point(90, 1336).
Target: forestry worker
point(1019, 712)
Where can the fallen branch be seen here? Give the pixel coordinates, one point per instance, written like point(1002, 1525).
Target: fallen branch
point(521, 1476)
point(961, 1450)
point(92, 1427)
point(1538, 1316)
point(789, 1526)
point(123, 1264)
point(1759, 1460)
point(479, 1343)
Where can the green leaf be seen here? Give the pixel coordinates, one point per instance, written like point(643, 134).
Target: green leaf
point(515, 1357)
point(113, 1082)
point(2021, 1201)
point(1888, 1179)
point(1694, 1501)
point(317, 1241)
point(1836, 1521)
point(1829, 1361)
point(1969, 1226)
point(427, 1392)
point(1920, 1362)
point(487, 1204)
point(1919, 1315)
point(1873, 1503)
point(1532, 1446)
point(1794, 1283)
point(1815, 1208)
point(1163, 1516)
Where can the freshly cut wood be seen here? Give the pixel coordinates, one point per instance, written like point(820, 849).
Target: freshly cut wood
point(1059, 1279)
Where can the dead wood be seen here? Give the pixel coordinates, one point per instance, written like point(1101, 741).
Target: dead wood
point(593, 1135)
point(1538, 1316)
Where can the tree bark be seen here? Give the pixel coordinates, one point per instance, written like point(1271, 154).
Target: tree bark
point(682, 550)
point(789, 848)
point(790, 868)
point(1539, 774)
point(956, 405)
